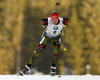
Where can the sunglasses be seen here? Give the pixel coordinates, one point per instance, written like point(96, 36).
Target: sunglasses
point(55, 20)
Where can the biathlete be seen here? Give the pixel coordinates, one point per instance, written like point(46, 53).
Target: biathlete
point(53, 27)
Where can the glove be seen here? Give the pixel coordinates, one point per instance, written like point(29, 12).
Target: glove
point(65, 21)
point(44, 21)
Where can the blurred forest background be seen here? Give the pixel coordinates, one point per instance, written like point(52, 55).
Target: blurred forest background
point(20, 33)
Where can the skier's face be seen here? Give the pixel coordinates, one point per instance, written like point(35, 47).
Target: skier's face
point(55, 21)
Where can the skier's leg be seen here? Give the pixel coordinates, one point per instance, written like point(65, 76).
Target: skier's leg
point(37, 53)
point(43, 43)
point(56, 47)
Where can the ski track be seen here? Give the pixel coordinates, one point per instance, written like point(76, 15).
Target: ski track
point(48, 77)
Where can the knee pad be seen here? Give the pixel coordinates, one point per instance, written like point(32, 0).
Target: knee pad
point(33, 57)
point(57, 44)
point(41, 46)
point(56, 56)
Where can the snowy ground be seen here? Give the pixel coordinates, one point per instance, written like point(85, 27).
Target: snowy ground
point(48, 77)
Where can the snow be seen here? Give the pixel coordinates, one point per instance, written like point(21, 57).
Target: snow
point(48, 77)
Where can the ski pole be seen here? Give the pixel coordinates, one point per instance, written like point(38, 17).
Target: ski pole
point(43, 34)
point(63, 39)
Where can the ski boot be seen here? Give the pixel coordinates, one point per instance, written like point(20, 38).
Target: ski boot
point(22, 72)
point(53, 70)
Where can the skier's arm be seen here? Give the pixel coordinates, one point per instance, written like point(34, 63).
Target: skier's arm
point(44, 22)
point(65, 21)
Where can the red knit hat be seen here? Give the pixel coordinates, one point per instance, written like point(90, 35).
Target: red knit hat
point(54, 16)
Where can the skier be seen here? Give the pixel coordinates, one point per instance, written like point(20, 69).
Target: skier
point(53, 26)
